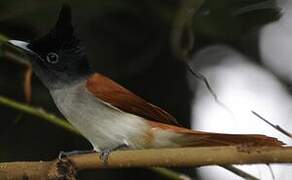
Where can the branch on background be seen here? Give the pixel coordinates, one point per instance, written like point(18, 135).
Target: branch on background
point(277, 127)
point(10, 53)
point(182, 40)
point(27, 83)
point(68, 167)
point(170, 174)
point(239, 172)
point(181, 36)
point(38, 112)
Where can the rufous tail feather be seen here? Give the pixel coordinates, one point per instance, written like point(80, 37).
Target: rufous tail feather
point(185, 137)
point(217, 139)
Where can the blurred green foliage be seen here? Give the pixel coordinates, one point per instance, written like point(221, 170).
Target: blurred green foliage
point(229, 20)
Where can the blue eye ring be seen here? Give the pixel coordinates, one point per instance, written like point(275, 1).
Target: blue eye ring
point(52, 58)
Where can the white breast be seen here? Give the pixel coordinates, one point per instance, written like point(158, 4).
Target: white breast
point(102, 124)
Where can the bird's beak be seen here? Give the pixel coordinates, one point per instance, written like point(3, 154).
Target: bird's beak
point(22, 46)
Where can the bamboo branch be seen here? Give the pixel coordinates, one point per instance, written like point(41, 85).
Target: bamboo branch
point(175, 157)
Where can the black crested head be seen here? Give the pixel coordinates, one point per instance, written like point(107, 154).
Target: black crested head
point(60, 60)
point(60, 37)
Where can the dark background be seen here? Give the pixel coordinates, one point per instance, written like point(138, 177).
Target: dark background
point(128, 41)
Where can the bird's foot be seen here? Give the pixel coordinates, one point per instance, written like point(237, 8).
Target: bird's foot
point(63, 154)
point(104, 154)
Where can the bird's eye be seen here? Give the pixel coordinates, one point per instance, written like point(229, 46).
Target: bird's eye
point(52, 58)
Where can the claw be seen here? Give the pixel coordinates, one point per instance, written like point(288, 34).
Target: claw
point(63, 154)
point(104, 154)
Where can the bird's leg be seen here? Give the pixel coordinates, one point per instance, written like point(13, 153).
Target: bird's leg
point(104, 154)
point(63, 154)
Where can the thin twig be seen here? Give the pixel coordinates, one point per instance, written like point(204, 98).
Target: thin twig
point(10, 51)
point(271, 171)
point(16, 58)
point(240, 173)
point(182, 30)
point(201, 77)
point(171, 174)
point(277, 127)
point(38, 112)
point(204, 79)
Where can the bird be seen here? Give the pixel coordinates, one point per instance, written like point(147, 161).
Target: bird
point(107, 114)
